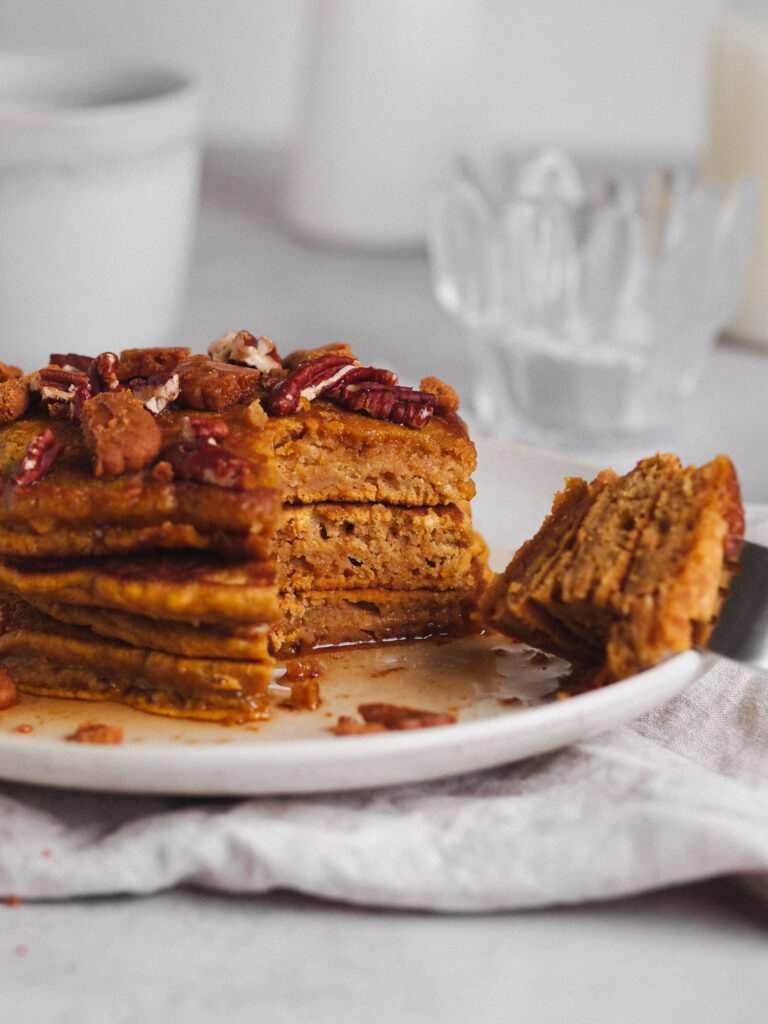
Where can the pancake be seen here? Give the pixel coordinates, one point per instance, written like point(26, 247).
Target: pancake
point(71, 511)
point(182, 586)
point(194, 640)
point(47, 657)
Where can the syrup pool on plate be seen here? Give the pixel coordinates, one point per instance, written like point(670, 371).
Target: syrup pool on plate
point(472, 678)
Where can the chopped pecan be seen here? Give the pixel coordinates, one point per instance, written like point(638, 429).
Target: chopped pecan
point(42, 451)
point(214, 386)
point(310, 355)
point(8, 692)
point(96, 732)
point(348, 726)
point(307, 381)
point(71, 361)
point(203, 428)
point(447, 399)
point(14, 399)
point(241, 347)
point(255, 414)
point(9, 372)
point(207, 463)
point(102, 373)
point(384, 402)
point(146, 362)
point(162, 472)
point(392, 716)
point(157, 392)
point(119, 433)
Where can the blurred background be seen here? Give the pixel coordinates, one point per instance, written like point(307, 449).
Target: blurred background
point(596, 75)
point(302, 127)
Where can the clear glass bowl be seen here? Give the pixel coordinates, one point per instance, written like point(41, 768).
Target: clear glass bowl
point(590, 299)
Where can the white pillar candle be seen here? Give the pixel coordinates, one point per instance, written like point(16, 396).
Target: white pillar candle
point(738, 137)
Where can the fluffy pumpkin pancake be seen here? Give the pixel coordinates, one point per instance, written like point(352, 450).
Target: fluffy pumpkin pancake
point(183, 586)
point(47, 657)
point(194, 640)
point(71, 511)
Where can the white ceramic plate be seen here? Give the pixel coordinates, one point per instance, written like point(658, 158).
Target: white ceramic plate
point(502, 699)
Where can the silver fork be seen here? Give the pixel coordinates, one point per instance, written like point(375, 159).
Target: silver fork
point(741, 632)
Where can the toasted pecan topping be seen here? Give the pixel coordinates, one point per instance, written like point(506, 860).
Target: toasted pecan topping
point(214, 386)
point(14, 399)
point(447, 399)
point(207, 463)
point(308, 355)
point(8, 693)
point(243, 348)
point(255, 414)
point(203, 428)
point(146, 362)
point(102, 373)
point(96, 732)
point(386, 402)
point(71, 361)
point(42, 451)
point(57, 385)
point(119, 433)
point(156, 393)
point(348, 726)
point(362, 374)
point(307, 381)
point(9, 372)
point(392, 716)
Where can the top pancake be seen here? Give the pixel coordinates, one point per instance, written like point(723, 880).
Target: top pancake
point(320, 453)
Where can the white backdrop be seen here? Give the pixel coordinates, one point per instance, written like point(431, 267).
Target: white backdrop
point(603, 75)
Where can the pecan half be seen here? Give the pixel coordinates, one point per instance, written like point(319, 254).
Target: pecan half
point(202, 428)
point(207, 463)
point(42, 451)
point(392, 716)
point(157, 392)
point(9, 372)
point(307, 381)
point(366, 374)
point(384, 402)
point(214, 386)
point(102, 373)
point(146, 362)
point(243, 348)
point(119, 433)
point(55, 385)
point(71, 361)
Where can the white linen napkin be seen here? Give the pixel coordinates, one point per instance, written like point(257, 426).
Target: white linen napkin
point(678, 795)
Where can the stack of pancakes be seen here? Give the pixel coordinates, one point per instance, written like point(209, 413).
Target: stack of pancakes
point(176, 591)
point(626, 570)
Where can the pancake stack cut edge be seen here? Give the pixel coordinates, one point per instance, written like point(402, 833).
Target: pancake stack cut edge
point(171, 526)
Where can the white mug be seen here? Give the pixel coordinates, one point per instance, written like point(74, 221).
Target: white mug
point(99, 168)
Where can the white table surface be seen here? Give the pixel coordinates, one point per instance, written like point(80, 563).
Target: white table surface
point(688, 955)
